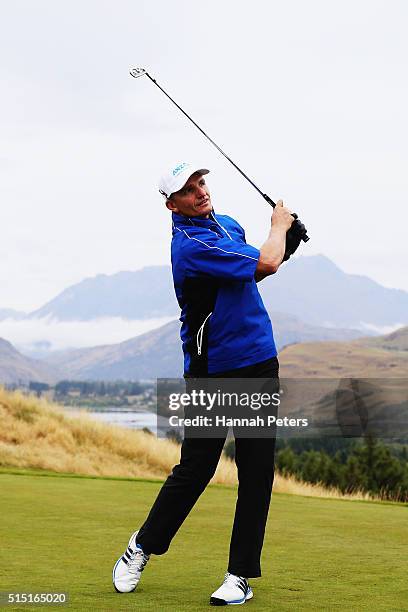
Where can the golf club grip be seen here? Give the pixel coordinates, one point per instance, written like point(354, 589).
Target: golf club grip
point(302, 229)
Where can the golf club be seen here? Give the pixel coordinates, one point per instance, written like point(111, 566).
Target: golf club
point(297, 229)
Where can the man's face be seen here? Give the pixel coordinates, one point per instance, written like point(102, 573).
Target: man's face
point(193, 200)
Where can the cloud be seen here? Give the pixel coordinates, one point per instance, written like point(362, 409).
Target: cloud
point(42, 335)
point(381, 329)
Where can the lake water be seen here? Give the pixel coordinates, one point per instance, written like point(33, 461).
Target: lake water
point(133, 419)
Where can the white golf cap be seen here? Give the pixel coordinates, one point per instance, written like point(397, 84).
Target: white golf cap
point(177, 176)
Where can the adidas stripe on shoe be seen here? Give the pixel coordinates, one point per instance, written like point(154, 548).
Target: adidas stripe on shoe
point(129, 567)
point(235, 590)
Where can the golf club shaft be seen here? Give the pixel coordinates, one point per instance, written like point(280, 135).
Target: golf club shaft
point(264, 195)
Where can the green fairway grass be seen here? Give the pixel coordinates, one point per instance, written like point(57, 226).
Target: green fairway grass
point(65, 533)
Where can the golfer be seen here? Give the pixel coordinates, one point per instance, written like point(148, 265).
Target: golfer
point(226, 332)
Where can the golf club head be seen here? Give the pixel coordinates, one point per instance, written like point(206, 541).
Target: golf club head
point(137, 72)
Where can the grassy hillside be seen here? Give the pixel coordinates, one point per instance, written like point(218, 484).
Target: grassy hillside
point(396, 341)
point(38, 435)
point(381, 357)
point(64, 534)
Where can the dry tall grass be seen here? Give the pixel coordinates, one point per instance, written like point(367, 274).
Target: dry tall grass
point(37, 434)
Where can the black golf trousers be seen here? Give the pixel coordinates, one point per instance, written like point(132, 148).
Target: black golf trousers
point(199, 459)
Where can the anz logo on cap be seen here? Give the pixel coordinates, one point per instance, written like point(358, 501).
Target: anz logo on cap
point(179, 168)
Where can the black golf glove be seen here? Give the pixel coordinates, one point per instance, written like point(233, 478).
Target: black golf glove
point(293, 237)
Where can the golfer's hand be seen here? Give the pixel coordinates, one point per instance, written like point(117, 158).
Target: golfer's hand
point(281, 217)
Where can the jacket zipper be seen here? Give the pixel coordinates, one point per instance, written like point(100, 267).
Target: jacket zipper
point(200, 334)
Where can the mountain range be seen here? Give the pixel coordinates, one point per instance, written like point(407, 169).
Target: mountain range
point(158, 354)
point(312, 288)
point(310, 300)
point(16, 368)
point(144, 294)
point(318, 292)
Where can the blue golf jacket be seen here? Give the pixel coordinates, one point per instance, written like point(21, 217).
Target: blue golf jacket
point(225, 325)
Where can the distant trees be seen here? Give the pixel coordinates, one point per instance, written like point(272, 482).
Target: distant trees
point(365, 465)
point(38, 387)
point(368, 466)
point(99, 388)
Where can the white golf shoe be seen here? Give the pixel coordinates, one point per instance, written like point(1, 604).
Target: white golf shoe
point(234, 590)
point(129, 567)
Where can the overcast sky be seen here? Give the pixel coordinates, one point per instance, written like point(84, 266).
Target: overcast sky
point(310, 98)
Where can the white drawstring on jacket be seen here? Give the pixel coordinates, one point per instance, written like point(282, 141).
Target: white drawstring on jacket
point(200, 334)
